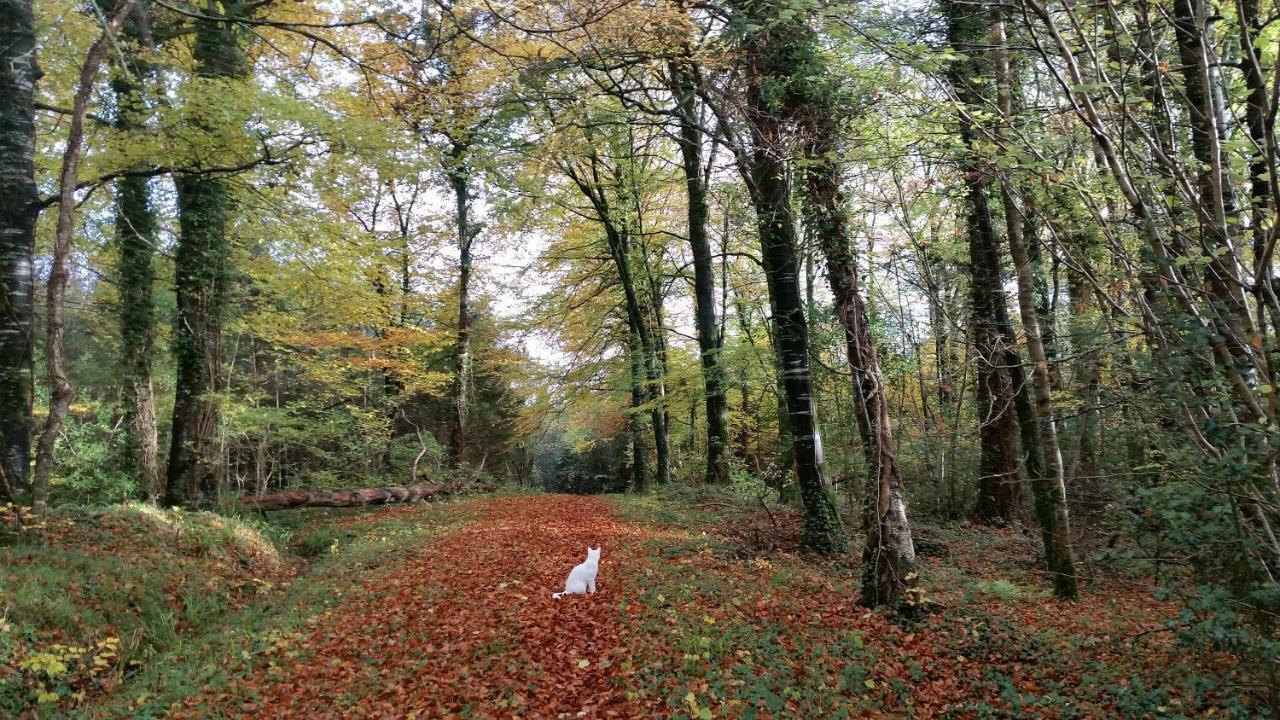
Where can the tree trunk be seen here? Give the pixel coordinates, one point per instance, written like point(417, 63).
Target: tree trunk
point(638, 320)
point(346, 498)
point(200, 286)
point(1210, 347)
point(456, 171)
point(618, 240)
point(635, 359)
point(1049, 488)
point(135, 275)
point(1263, 201)
point(1000, 497)
point(61, 390)
point(768, 179)
point(651, 311)
point(648, 363)
point(745, 425)
point(888, 556)
point(683, 84)
point(785, 461)
point(1081, 470)
point(1202, 88)
point(1045, 281)
point(18, 211)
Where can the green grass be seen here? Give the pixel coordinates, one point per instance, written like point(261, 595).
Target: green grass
point(133, 576)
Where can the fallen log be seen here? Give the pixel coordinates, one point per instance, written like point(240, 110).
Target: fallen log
point(346, 498)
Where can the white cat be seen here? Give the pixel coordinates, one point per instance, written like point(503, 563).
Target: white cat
point(582, 578)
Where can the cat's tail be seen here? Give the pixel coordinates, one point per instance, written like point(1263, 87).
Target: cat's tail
point(557, 595)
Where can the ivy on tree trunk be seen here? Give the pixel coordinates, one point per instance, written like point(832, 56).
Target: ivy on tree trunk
point(135, 270)
point(1000, 498)
point(200, 286)
point(457, 173)
point(683, 79)
point(888, 557)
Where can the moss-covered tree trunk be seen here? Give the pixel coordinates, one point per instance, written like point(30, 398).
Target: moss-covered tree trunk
point(684, 79)
point(637, 322)
point(823, 532)
point(135, 270)
point(768, 178)
point(1000, 498)
point(635, 421)
point(888, 555)
point(200, 286)
point(1049, 486)
point(18, 210)
point(459, 181)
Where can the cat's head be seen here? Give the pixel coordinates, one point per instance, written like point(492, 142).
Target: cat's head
point(593, 553)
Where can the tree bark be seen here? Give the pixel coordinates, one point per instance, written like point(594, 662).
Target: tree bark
point(1000, 498)
point(135, 273)
point(1045, 279)
point(888, 556)
point(1049, 487)
point(683, 84)
point(457, 172)
point(61, 390)
point(18, 210)
point(769, 182)
point(200, 286)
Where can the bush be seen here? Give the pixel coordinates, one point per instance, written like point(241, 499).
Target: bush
point(93, 466)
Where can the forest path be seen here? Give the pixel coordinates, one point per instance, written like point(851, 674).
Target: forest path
point(468, 627)
point(446, 612)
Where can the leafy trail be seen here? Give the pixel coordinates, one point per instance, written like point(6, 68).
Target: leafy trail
point(690, 621)
point(468, 626)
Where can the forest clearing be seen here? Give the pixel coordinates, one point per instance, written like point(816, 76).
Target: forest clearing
point(874, 359)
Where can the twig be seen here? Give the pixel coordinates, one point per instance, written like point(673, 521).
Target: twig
point(763, 504)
